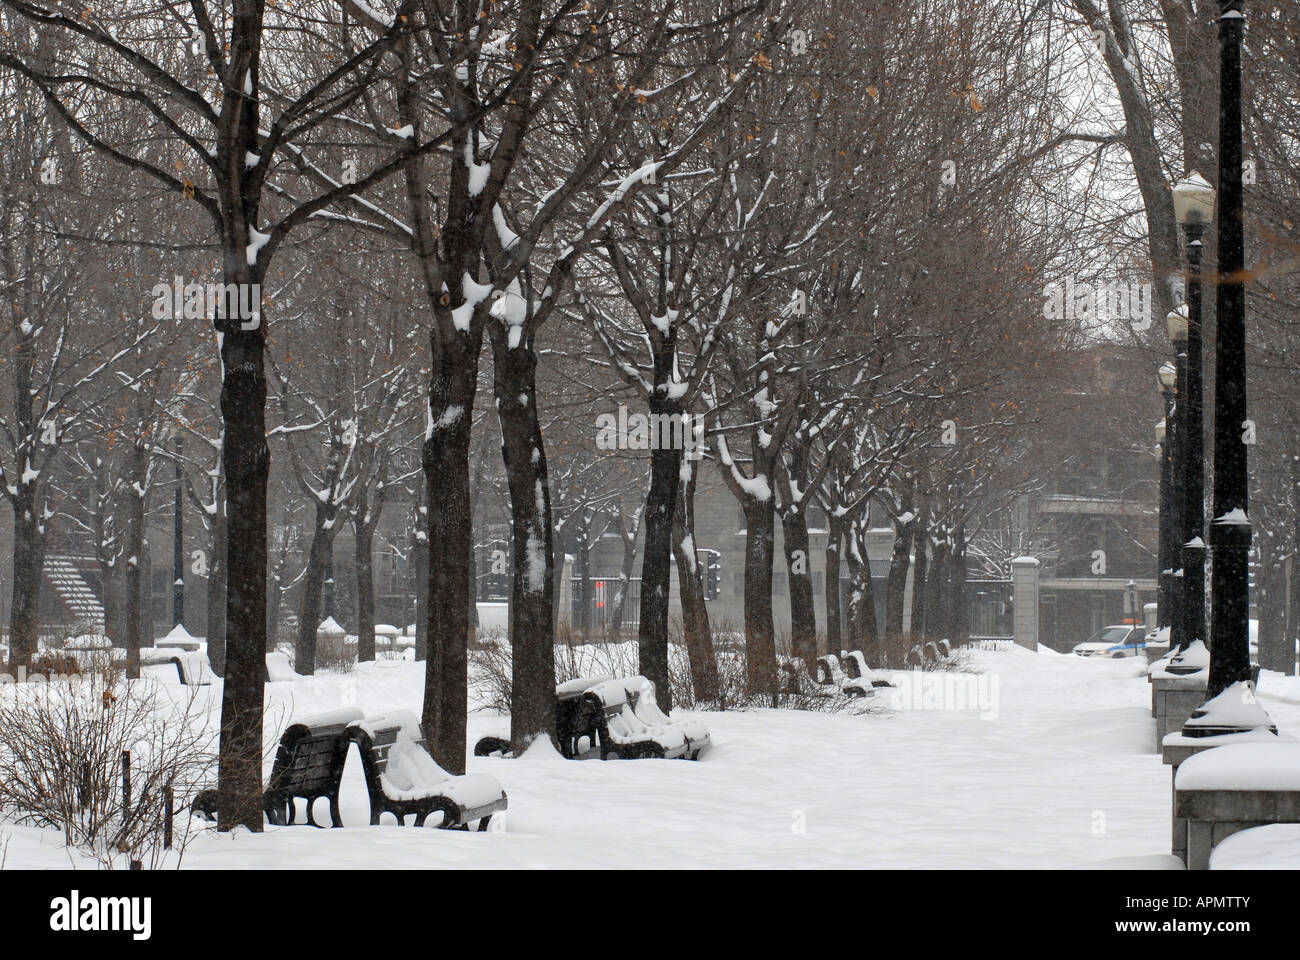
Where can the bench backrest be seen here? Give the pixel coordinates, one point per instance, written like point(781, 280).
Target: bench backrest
point(310, 758)
point(381, 744)
point(828, 669)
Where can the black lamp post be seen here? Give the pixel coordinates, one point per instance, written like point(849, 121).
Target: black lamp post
point(1164, 599)
point(1194, 209)
point(1169, 526)
point(1230, 534)
point(1177, 373)
point(1230, 530)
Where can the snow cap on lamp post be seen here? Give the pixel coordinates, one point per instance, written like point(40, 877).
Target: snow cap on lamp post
point(1176, 321)
point(1194, 201)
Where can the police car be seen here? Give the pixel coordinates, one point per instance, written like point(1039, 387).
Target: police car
point(1119, 640)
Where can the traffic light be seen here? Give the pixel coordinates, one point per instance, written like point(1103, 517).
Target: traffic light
point(712, 573)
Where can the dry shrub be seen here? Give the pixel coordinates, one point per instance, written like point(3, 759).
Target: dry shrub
point(61, 762)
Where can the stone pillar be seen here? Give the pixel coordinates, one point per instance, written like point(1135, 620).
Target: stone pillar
point(1024, 603)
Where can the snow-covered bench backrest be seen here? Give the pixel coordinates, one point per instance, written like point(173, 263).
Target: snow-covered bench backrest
point(401, 759)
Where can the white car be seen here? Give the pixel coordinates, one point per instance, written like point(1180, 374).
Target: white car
point(1119, 640)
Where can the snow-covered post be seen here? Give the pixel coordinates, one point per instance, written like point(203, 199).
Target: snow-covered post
point(1024, 600)
point(329, 635)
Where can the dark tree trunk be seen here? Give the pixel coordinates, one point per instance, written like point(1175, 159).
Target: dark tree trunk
point(920, 581)
point(656, 566)
point(320, 560)
point(584, 596)
point(958, 611)
point(937, 626)
point(135, 598)
point(896, 590)
point(452, 385)
point(803, 612)
point(29, 558)
point(614, 623)
point(690, 582)
point(864, 633)
point(835, 537)
point(420, 548)
point(275, 597)
point(247, 464)
point(218, 568)
point(532, 637)
point(760, 639)
point(363, 539)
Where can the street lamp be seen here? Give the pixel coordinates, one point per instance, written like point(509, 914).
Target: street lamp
point(1164, 553)
point(1176, 323)
point(1166, 432)
point(1230, 530)
point(1194, 209)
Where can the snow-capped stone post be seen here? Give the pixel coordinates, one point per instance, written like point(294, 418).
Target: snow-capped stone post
point(329, 636)
point(1024, 601)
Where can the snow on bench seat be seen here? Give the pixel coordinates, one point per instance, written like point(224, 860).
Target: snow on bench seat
point(403, 778)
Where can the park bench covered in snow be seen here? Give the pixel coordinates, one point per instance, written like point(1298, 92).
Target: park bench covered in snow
point(576, 716)
point(403, 778)
point(831, 678)
point(856, 669)
point(618, 718)
point(630, 725)
point(308, 764)
point(192, 666)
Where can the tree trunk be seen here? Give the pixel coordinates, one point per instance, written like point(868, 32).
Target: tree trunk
point(452, 385)
point(614, 622)
point(958, 610)
point(275, 596)
point(420, 547)
point(532, 637)
point(937, 626)
point(656, 567)
point(135, 599)
point(803, 612)
point(218, 568)
point(690, 588)
point(247, 465)
point(920, 580)
point(864, 633)
point(835, 537)
point(584, 596)
point(760, 640)
point(363, 540)
point(320, 559)
point(29, 558)
point(895, 595)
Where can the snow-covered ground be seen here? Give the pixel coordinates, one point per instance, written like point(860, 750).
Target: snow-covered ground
point(1051, 763)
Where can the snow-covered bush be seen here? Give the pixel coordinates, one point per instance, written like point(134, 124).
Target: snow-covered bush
point(61, 763)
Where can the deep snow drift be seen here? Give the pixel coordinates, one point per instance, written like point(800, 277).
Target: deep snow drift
point(1056, 770)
